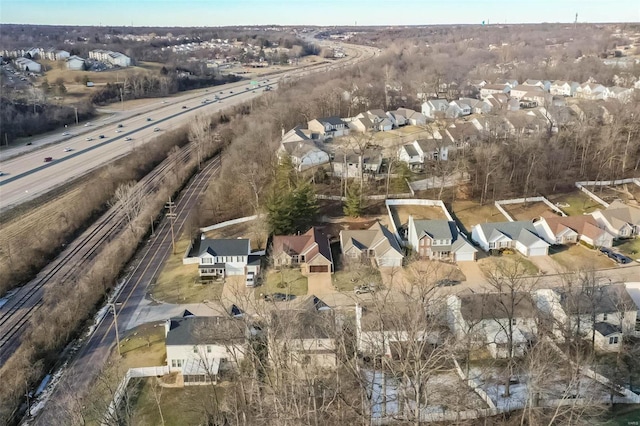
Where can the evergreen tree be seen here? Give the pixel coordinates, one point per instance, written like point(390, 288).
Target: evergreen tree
point(354, 204)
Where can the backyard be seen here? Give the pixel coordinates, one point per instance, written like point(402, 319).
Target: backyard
point(284, 280)
point(579, 258)
point(178, 283)
point(470, 213)
point(254, 230)
point(528, 211)
point(401, 213)
point(575, 203)
point(629, 247)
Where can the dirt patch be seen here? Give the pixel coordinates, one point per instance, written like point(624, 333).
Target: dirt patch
point(401, 213)
point(527, 211)
point(254, 230)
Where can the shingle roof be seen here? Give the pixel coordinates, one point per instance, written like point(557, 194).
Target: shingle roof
point(193, 330)
point(220, 247)
point(481, 306)
point(512, 230)
point(334, 121)
point(619, 210)
point(302, 324)
point(312, 243)
point(583, 225)
point(603, 300)
point(411, 151)
point(606, 329)
point(377, 237)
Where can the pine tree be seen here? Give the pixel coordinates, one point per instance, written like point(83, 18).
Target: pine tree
point(354, 203)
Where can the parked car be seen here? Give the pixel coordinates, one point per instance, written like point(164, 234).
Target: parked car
point(278, 297)
point(251, 279)
point(48, 159)
point(365, 288)
point(447, 282)
point(606, 250)
point(621, 258)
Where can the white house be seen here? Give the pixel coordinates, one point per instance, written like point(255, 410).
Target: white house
point(563, 88)
point(222, 257)
point(591, 91)
point(24, 64)
point(108, 56)
point(439, 239)
point(418, 152)
point(457, 109)
point(622, 94)
point(493, 320)
point(379, 119)
point(543, 84)
point(619, 219)
point(199, 347)
point(491, 89)
point(75, 63)
point(571, 229)
point(303, 154)
point(376, 243)
point(521, 236)
point(327, 128)
point(346, 163)
point(431, 107)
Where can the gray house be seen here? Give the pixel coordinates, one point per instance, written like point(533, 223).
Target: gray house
point(439, 239)
point(218, 258)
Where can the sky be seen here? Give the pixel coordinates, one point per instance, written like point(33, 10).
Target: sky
point(190, 13)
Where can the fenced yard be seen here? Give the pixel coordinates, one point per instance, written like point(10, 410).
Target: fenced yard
point(470, 213)
point(528, 211)
point(575, 203)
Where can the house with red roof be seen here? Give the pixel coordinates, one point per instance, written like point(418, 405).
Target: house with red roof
point(571, 229)
point(311, 251)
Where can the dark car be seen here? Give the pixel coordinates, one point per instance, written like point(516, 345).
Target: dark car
point(29, 143)
point(184, 107)
point(621, 258)
point(148, 118)
point(120, 126)
point(101, 136)
point(48, 159)
point(447, 282)
point(605, 250)
point(278, 297)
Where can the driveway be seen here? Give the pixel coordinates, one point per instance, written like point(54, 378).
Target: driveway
point(546, 265)
point(475, 278)
point(319, 284)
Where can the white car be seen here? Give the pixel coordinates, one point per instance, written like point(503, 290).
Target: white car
point(87, 124)
point(68, 150)
point(157, 129)
point(118, 131)
point(127, 138)
point(89, 139)
point(66, 134)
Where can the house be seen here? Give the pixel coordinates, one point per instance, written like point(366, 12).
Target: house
point(621, 220)
point(383, 329)
point(519, 92)
point(305, 337)
point(544, 85)
point(520, 235)
point(346, 163)
point(497, 100)
point(602, 313)
point(24, 64)
point(418, 152)
point(303, 154)
point(464, 133)
point(493, 320)
point(310, 251)
point(219, 258)
point(457, 109)
point(563, 88)
point(75, 63)
point(439, 239)
point(199, 347)
point(327, 128)
point(410, 117)
point(477, 106)
point(508, 81)
point(622, 94)
point(571, 229)
point(592, 91)
point(432, 107)
point(376, 244)
point(296, 134)
point(379, 119)
point(478, 84)
point(491, 89)
point(397, 118)
point(361, 124)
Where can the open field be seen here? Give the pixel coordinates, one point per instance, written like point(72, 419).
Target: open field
point(401, 213)
point(529, 211)
point(579, 203)
point(285, 280)
point(253, 230)
point(577, 257)
point(490, 263)
point(470, 213)
point(178, 283)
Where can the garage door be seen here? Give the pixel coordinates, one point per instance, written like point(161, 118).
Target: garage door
point(465, 257)
point(538, 251)
point(314, 269)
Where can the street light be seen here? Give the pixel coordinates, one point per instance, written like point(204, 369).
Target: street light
point(115, 322)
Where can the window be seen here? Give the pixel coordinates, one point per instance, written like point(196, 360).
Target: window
point(492, 245)
point(302, 258)
point(604, 317)
point(514, 321)
point(206, 261)
point(195, 349)
point(208, 349)
point(176, 363)
point(613, 340)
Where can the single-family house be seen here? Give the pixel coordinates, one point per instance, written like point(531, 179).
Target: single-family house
point(310, 251)
point(519, 92)
point(346, 163)
point(457, 109)
point(397, 118)
point(296, 134)
point(520, 235)
point(477, 106)
point(592, 91)
point(434, 108)
point(75, 63)
point(511, 82)
point(491, 89)
point(412, 117)
point(376, 244)
point(497, 101)
point(219, 258)
point(621, 220)
point(602, 314)
point(418, 152)
point(304, 154)
point(571, 229)
point(622, 94)
point(24, 64)
point(543, 84)
point(478, 84)
point(464, 133)
point(384, 329)
point(494, 320)
point(304, 337)
point(199, 347)
point(379, 119)
point(439, 239)
point(563, 88)
point(360, 123)
point(327, 128)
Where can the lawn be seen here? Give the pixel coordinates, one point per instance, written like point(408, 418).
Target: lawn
point(285, 280)
point(629, 247)
point(426, 271)
point(180, 406)
point(346, 279)
point(254, 230)
point(470, 213)
point(578, 203)
point(143, 346)
point(529, 211)
point(577, 257)
point(626, 419)
point(401, 213)
point(490, 263)
point(178, 283)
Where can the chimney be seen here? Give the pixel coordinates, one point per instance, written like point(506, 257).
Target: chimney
point(202, 237)
point(282, 132)
point(167, 327)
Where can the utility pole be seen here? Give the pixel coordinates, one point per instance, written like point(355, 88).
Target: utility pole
point(26, 393)
point(172, 217)
point(115, 322)
point(76, 108)
point(121, 99)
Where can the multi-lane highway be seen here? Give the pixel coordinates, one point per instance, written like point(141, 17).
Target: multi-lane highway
point(29, 175)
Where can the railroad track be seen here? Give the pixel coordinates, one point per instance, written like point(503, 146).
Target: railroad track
point(15, 314)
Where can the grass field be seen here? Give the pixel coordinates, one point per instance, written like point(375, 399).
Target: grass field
point(178, 283)
point(471, 213)
point(491, 263)
point(285, 280)
point(143, 346)
point(579, 203)
point(401, 213)
point(629, 247)
point(576, 257)
point(529, 211)
point(347, 279)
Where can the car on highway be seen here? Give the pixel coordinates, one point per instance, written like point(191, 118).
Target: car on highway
point(230, 91)
point(67, 149)
point(184, 107)
point(149, 118)
point(87, 124)
point(1, 173)
point(447, 282)
point(29, 143)
point(120, 125)
point(118, 130)
point(66, 134)
point(101, 136)
point(89, 139)
point(163, 102)
point(156, 129)
point(365, 288)
point(221, 93)
point(127, 138)
point(48, 159)
point(278, 297)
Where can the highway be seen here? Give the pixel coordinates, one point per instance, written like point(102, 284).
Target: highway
point(27, 176)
